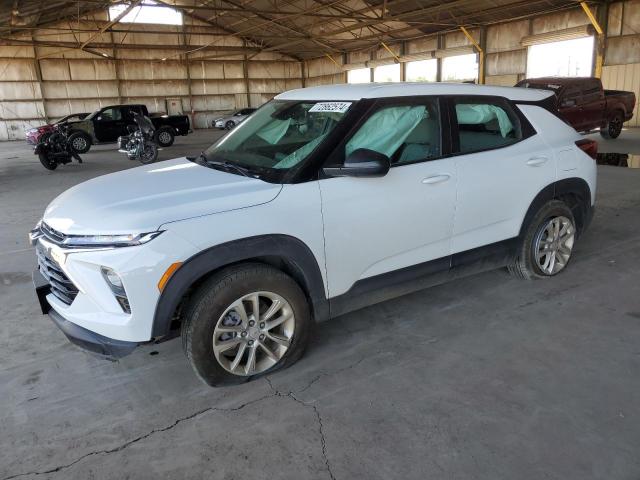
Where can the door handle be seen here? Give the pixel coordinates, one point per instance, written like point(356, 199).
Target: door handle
point(443, 177)
point(537, 161)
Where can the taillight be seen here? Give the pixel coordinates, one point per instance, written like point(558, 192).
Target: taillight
point(590, 147)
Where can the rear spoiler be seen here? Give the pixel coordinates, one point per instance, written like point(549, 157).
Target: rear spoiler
point(549, 103)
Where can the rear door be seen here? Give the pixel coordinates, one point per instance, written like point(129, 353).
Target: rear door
point(374, 226)
point(593, 104)
point(571, 106)
point(502, 164)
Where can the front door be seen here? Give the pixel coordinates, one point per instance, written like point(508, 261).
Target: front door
point(109, 125)
point(375, 226)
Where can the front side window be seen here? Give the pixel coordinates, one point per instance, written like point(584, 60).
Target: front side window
point(404, 133)
point(485, 125)
point(111, 114)
point(278, 137)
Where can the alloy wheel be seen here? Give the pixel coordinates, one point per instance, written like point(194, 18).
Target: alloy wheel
point(615, 126)
point(554, 245)
point(253, 333)
point(79, 144)
point(164, 138)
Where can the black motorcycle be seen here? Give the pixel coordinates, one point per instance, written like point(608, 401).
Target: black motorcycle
point(139, 144)
point(55, 149)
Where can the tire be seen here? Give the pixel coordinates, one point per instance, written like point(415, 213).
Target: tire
point(165, 137)
point(537, 240)
point(80, 142)
point(215, 303)
point(614, 127)
point(230, 125)
point(46, 163)
point(149, 154)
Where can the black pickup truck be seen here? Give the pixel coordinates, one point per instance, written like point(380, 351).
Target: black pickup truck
point(109, 123)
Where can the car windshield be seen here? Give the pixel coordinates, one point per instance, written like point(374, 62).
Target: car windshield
point(277, 137)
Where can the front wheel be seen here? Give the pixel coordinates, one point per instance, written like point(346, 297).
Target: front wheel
point(246, 321)
point(149, 154)
point(613, 128)
point(80, 142)
point(548, 243)
point(46, 162)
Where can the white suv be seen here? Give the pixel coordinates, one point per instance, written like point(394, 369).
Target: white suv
point(325, 200)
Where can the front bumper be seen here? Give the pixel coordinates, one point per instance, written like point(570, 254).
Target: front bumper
point(86, 339)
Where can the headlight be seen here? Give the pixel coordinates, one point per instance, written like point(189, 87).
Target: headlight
point(97, 241)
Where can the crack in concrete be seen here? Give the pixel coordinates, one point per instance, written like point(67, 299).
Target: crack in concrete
point(335, 372)
point(141, 437)
point(276, 393)
point(323, 440)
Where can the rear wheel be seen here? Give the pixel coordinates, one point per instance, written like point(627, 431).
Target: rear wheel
point(230, 124)
point(47, 162)
point(548, 243)
point(80, 142)
point(244, 322)
point(165, 137)
point(614, 127)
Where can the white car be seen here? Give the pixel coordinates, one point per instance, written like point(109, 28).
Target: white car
point(326, 200)
point(233, 120)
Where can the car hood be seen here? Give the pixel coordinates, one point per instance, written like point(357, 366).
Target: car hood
point(142, 199)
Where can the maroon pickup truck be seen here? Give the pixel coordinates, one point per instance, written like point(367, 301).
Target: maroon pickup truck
point(585, 105)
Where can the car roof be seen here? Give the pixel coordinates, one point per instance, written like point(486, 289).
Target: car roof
point(384, 90)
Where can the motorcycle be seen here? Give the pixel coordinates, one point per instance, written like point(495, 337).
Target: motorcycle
point(55, 149)
point(139, 144)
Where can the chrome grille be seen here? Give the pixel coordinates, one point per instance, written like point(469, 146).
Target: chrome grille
point(61, 286)
point(51, 234)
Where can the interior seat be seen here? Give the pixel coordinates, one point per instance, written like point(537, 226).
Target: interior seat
point(423, 142)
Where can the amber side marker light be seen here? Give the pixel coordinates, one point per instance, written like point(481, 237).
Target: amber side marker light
point(167, 275)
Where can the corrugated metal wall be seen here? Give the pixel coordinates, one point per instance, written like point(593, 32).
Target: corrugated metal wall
point(622, 57)
point(624, 77)
point(506, 58)
point(75, 81)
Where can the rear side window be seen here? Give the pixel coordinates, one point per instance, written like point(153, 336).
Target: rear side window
point(485, 124)
point(592, 91)
point(571, 97)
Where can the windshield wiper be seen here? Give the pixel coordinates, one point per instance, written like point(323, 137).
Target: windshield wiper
point(224, 166)
point(227, 166)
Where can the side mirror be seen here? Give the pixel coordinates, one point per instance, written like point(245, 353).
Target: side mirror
point(362, 163)
point(99, 117)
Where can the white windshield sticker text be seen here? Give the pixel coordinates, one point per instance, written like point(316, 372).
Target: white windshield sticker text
point(337, 107)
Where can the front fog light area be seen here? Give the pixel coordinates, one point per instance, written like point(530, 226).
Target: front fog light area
point(117, 288)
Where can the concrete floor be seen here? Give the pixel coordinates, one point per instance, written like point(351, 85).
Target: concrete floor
point(488, 377)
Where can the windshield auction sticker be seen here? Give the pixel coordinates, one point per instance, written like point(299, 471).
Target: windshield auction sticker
point(335, 107)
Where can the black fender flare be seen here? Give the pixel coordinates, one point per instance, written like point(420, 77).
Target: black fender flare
point(282, 251)
point(578, 187)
